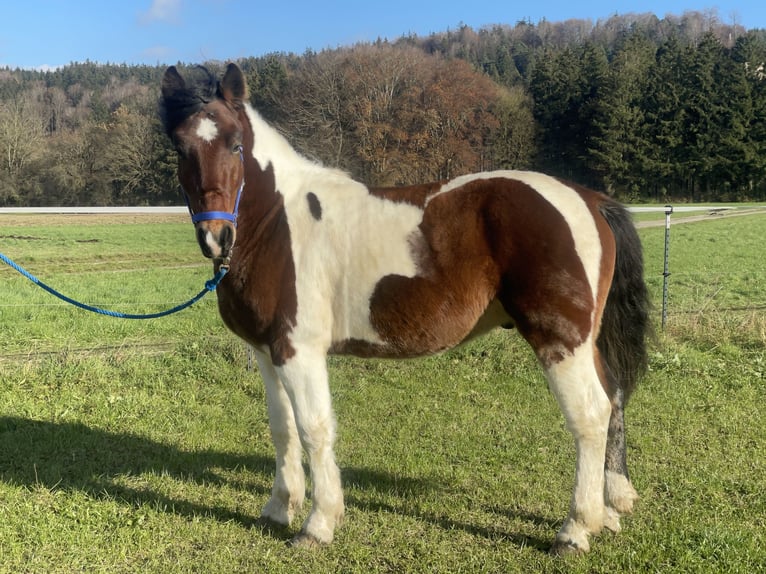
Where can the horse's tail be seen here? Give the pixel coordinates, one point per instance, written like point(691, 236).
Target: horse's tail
point(625, 324)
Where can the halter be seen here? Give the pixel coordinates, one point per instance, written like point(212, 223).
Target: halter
point(225, 215)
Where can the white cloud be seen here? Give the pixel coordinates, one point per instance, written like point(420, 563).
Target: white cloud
point(168, 11)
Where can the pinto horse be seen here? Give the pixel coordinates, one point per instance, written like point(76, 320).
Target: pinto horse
point(319, 263)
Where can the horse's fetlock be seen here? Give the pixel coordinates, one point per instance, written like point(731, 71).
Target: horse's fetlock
point(619, 492)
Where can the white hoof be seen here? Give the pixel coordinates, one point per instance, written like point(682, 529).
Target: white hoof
point(612, 520)
point(281, 509)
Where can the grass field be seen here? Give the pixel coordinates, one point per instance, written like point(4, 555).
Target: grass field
point(132, 446)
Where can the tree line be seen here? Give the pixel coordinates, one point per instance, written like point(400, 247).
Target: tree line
point(641, 107)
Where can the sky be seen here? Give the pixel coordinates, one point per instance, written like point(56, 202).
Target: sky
point(39, 34)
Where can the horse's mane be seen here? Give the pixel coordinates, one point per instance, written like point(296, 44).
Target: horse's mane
point(201, 87)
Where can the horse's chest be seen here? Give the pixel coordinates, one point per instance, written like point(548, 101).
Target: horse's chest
point(341, 258)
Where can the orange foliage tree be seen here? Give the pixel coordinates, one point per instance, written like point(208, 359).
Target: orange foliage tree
point(395, 115)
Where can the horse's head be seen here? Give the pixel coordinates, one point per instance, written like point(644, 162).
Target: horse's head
point(204, 120)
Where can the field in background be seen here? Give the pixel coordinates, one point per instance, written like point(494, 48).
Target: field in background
point(144, 446)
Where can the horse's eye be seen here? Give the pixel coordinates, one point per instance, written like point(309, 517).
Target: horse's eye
point(238, 148)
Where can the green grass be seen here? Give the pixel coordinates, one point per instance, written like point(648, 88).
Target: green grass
point(144, 446)
point(130, 268)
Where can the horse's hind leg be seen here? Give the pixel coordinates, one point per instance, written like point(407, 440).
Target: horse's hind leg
point(619, 493)
point(289, 487)
point(575, 382)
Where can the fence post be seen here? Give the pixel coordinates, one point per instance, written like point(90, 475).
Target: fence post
point(666, 271)
point(250, 357)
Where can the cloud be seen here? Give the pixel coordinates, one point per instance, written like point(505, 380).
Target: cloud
point(168, 11)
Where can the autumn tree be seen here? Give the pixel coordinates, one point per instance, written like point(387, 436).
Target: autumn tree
point(393, 114)
point(132, 158)
point(22, 130)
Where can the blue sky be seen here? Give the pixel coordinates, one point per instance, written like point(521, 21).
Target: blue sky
point(39, 34)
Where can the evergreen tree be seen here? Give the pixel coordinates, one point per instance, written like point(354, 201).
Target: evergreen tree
point(617, 150)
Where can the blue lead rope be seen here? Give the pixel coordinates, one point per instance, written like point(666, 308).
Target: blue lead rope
point(210, 285)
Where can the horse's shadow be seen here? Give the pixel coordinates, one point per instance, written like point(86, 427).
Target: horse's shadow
point(408, 490)
point(75, 457)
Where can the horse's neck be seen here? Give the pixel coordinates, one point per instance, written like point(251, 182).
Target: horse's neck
point(269, 146)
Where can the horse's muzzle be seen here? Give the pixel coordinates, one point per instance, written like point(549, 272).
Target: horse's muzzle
point(216, 239)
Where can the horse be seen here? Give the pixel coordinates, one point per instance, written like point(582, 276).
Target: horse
point(319, 263)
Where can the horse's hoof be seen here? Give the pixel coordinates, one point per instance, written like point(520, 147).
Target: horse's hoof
point(563, 549)
point(304, 540)
point(612, 520)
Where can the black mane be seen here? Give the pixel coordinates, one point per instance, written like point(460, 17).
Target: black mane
point(201, 87)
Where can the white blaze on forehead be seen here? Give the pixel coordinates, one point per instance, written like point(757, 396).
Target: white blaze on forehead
point(207, 130)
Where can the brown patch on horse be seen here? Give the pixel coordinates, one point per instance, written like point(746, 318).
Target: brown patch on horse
point(473, 252)
point(315, 208)
point(261, 307)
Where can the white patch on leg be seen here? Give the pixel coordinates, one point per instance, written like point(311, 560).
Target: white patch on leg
point(571, 538)
point(289, 487)
point(574, 382)
point(612, 520)
point(305, 380)
point(207, 130)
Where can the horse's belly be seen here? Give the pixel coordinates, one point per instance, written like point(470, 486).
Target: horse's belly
point(398, 335)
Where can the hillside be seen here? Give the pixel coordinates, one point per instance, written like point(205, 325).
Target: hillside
point(642, 107)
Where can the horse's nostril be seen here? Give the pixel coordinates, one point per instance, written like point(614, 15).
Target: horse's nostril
point(227, 238)
point(203, 244)
point(216, 244)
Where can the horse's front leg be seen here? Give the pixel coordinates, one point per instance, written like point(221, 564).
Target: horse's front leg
point(304, 376)
point(289, 487)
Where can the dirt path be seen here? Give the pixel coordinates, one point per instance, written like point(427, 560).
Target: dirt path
point(675, 219)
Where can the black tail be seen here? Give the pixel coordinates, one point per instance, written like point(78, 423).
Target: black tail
point(625, 325)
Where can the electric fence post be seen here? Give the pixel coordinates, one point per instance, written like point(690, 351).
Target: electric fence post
point(666, 269)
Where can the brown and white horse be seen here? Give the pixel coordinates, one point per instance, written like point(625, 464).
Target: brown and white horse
point(320, 263)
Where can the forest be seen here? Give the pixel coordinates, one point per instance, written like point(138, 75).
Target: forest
point(646, 109)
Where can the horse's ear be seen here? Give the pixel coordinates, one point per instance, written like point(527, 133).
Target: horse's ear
point(172, 82)
point(233, 85)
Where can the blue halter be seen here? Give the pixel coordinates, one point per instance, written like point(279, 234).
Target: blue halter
point(225, 215)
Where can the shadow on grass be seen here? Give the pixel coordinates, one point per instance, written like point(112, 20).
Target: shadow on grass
point(75, 457)
point(409, 490)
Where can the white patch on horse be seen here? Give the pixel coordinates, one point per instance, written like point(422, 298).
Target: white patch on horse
point(339, 259)
point(207, 130)
point(215, 248)
point(575, 383)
